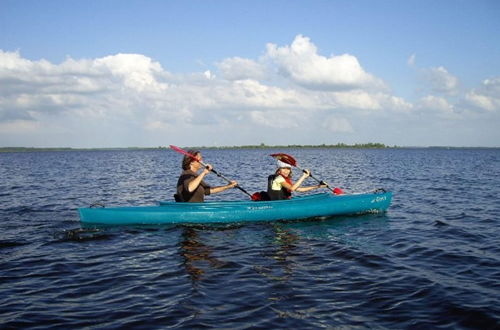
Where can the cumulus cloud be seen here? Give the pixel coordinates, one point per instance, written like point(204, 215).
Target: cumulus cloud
point(277, 120)
point(301, 63)
point(79, 76)
point(133, 96)
point(237, 68)
point(359, 100)
point(486, 97)
point(446, 99)
point(440, 80)
point(136, 93)
point(209, 75)
point(137, 72)
point(84, 98)
point(480, 101)
point(34, 88)
point(435, 104)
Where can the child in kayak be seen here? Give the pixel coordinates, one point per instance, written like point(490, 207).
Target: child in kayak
point(280, 185)
point(191, 187)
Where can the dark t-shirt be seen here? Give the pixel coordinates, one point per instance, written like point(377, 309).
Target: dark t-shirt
point(182, 188)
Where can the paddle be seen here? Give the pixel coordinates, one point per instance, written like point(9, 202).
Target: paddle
point(285, 158)
point(179, 150)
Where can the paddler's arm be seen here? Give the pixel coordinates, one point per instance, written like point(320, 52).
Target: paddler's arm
point(297, 184)
point(304, 189)
point(193, 184)
point(214, 190)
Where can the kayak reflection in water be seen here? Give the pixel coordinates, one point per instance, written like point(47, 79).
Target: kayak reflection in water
point(280, 185)
point(191, 187)
point(197, 255)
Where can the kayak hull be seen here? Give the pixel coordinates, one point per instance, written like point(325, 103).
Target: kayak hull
point(309, 206)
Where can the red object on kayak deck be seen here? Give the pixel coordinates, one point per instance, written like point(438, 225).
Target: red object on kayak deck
point(337, 191)
point(256, 196)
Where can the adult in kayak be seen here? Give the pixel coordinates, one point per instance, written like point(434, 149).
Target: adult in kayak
point(191, 187)
point(280, 185)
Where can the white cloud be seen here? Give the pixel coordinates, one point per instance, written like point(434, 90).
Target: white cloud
point(480, 101)
point(485, 97)
point(133, 71)
point(435, 104)
point(156, 125)
point(412, 59)
point(337, 125)
point(253, 94)
point(12, 127)
point(278, 120)
point(366, 101)
point(439, 80)
point(138, 72)
point(209, 75)
point(301, 63)
point(133, 93)
point(357, 99)
point(129, 97)
point(237, 68)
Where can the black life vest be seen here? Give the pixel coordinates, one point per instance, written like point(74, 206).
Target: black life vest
point(283, 193)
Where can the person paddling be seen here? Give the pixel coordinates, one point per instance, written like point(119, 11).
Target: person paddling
point(191, 187)
point(280, 185)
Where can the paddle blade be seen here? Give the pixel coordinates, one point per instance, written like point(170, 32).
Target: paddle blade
point(337, 191)
point(285, 158)
point(179, 150)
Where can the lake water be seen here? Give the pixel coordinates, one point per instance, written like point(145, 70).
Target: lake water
point(431, 261)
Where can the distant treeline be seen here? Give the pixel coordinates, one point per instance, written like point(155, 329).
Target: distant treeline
point(338, 145)
point(30, 149)
point(259, 146)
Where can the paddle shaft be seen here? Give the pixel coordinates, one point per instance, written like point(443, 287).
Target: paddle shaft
point(223, 177)
point(318, 180)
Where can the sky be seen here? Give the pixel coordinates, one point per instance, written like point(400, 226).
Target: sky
point(95, 73)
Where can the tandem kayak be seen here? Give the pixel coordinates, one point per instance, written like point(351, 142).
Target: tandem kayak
point(302, 207)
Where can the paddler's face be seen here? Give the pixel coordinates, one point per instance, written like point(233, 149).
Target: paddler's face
point(197, 165)
point(285, 171)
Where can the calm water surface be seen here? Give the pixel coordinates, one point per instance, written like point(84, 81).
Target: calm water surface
point(431, 261)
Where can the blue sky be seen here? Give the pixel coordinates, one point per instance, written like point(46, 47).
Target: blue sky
point(149, 73)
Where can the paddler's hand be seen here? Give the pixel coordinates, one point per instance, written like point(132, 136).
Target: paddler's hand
point(306, 174)
point(233, 184)
point(207, 169)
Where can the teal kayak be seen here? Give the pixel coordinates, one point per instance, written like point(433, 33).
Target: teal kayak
point(302, 207)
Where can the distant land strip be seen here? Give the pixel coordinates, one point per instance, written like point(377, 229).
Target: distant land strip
point(259, 146)
point(31, 149)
